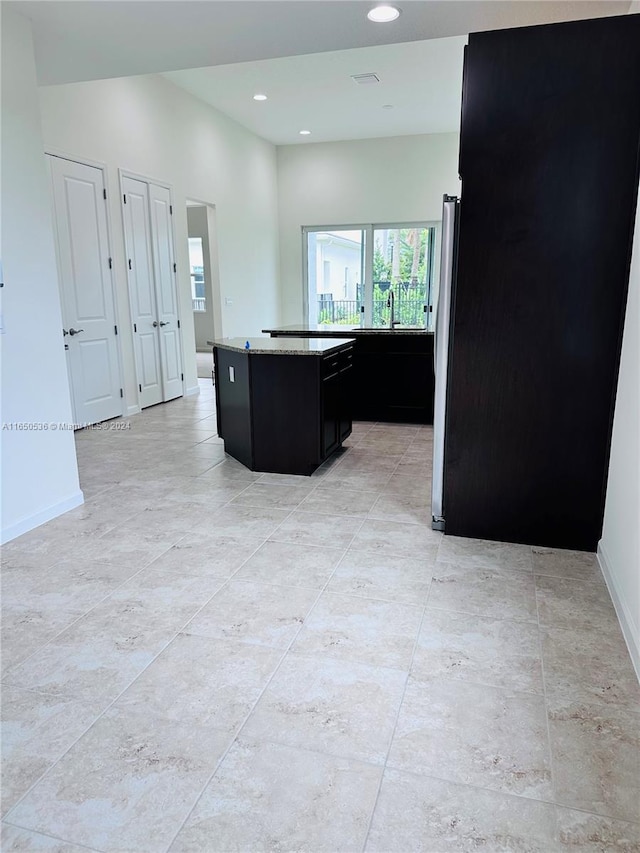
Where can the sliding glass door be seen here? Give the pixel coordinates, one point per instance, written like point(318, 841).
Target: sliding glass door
point(370, 275)
point(335, 273)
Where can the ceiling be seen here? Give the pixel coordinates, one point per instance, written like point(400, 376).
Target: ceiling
point(421, 81)
point(301, 53)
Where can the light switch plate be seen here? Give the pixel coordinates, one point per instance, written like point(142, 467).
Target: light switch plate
point(232, 374)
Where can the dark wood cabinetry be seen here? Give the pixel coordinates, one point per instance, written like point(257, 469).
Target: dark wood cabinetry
point(549, 166)
point(283, 413)
point(392, 374)
point(337, 373)
point(393, 378)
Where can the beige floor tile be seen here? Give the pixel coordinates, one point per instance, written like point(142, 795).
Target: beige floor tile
point(94, 659)
point(161, 598)
point(596, 758)
point(355, 481)
point(497, 593)
point(40, 548)
point(402, 483)
point(127, 785)
point(395, 538)
point(259, 613)
point(474, 734)
point(135, 547)
point(591, 833)
point(291, 565)
point(405, 580)
point(206, 553)
point(566, 564)
point(251, 522)
point(203, 682)
point(413, 509)
point(589, 667)
point(339, 708)
point(307, 528)
point(74, 585)
point(571, 603)
point(159, 537)
point(25, 630)
point(346, 627)
point(229, 470)
point(473, 648)
point(336, 501)
point(207, 490)
point(270, 797)
point(481, 553)
point(17, 840)
point(425, 815)
point(36, 730)
point(272, 495)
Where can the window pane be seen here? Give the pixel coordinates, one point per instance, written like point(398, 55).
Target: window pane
point(196, 264)
point(334, 273)
point(402, 266)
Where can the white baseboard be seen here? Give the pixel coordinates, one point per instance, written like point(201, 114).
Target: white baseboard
point(629, 630)
point(32, 521)
point(195, 389)
point(133, 410)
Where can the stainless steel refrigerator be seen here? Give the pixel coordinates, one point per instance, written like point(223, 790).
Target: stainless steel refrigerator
point(444, 313)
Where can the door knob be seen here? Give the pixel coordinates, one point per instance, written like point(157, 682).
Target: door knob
point(155, 324)
point(162, 323)
point(73, 331)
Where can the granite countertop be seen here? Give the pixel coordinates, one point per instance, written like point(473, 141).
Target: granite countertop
point(281, 346)
point(328, 330)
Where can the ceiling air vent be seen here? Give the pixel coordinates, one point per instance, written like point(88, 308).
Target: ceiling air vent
point(365, 79)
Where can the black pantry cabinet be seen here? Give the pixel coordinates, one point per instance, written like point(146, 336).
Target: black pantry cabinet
point(549, 166)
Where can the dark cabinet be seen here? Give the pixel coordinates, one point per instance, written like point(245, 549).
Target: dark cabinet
point(283, 413)
point(346, 397)
point(330, 413)
point(391, 377)
point(549, 166)
point(337, 390)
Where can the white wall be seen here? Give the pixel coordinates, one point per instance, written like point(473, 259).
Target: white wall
point(39, 471)
point(148, 126)
point(202, 320)
point(396, 179)
point(619, 548)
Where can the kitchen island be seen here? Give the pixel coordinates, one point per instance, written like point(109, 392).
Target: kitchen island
point(393, 376)
point(283, 406)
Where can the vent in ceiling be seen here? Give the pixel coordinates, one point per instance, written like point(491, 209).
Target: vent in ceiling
point(365, 79)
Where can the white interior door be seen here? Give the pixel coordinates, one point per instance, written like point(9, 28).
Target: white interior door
point(142, 290)
point(88, 306)
point(166, 295)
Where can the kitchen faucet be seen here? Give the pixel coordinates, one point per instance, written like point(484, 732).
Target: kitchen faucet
point(391, 303)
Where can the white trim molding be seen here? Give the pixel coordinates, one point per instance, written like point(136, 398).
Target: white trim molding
point(33, 521)
point(627, 624)
point(192, 391)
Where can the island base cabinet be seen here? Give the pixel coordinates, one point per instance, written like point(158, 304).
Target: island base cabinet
point(280, 413)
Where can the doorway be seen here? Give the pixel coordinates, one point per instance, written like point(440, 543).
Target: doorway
point(203, 269)
point(83, 254)
point(147, 213)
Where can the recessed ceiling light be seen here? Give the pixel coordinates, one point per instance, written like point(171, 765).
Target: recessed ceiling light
point(259, 97)
point(387, 106)
point(305, 133)
point(383, 14)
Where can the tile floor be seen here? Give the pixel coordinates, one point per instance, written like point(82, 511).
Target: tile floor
point(202, 658)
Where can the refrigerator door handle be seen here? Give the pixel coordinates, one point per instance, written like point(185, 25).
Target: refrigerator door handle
point(441, 356)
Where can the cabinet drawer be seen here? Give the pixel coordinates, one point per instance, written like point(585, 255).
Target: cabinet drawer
point(345, 358)
point(330, 364)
